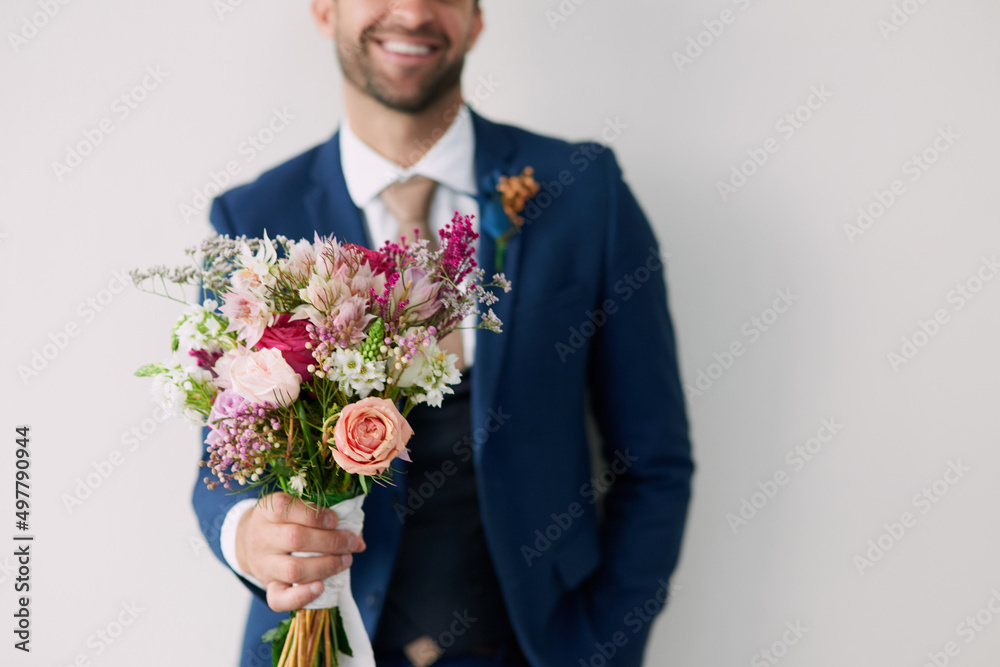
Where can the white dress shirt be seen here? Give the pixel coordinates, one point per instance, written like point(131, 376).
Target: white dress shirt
point(450, 162)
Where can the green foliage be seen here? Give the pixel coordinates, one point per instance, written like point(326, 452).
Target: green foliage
point(150, 370)
point(341, 642)
point(277, 638)
point(330, 498)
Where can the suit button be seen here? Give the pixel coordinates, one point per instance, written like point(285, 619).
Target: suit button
point(374, 599)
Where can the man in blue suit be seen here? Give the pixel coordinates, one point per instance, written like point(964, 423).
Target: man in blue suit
point(502, 511)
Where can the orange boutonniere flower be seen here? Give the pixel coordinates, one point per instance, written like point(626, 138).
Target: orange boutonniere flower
point(506, 199)
point(515, 191)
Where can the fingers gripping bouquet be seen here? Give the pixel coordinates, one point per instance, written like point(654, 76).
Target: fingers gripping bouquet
point(305, 374)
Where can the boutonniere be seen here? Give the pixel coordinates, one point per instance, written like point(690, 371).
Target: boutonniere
point(506, 197)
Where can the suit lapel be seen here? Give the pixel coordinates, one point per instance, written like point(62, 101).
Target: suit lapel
point(494, 151)
point(330, 206)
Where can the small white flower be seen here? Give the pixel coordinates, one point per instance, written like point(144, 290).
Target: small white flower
point(199, 328)
point(371, 377)
point(432, 370)
point(298, 483)
point(347, 365)
point(171, 389)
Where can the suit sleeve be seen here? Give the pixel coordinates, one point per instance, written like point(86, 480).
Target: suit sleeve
point(639, 406)
point(211, 507)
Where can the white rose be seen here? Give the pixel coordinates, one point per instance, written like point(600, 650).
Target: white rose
point(265, 377)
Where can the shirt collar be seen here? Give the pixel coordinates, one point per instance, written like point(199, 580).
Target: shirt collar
point(450, 162)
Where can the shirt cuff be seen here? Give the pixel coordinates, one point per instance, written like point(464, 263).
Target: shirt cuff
point(227, 537)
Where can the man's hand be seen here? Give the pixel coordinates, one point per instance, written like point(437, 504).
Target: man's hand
point(280, 524)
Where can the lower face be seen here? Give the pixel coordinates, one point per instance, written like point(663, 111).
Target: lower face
point(404, 70)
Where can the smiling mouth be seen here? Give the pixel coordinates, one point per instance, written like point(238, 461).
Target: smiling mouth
point(405, 49)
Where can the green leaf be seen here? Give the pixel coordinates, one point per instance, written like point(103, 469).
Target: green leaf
point(282, 470)
point(365, 482)
point(300, 410)
point(277, 638)
point(338, 626)
point(279, 632)
point(330, 498)
point(150, 369)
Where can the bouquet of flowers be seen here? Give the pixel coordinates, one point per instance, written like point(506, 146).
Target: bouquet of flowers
point(304, 376)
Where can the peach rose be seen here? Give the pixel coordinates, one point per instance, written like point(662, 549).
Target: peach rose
point(264, 377)
point(369, 434)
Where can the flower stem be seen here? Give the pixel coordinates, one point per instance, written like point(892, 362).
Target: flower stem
point(331, 657)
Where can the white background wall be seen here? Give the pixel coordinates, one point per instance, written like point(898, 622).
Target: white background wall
point(134, 539)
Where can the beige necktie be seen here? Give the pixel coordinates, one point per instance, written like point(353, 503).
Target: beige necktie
point(409, 202)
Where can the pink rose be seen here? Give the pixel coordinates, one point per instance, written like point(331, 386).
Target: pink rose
point(289, 336)
point(224, 363)
point(264, 377)
point(369, 434)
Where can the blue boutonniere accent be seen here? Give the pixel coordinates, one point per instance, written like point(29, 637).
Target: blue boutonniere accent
point(505, 198)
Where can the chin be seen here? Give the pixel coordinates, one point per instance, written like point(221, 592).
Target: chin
point(408, 99)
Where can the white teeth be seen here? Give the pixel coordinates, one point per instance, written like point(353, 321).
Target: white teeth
point(406, 48)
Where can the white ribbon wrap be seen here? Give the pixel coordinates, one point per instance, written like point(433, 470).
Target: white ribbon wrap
point(337, 591)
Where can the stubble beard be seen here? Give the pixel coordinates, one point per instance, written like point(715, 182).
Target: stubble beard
point(359, 69)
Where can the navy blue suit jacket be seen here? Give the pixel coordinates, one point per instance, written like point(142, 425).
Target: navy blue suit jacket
point(583, 568)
